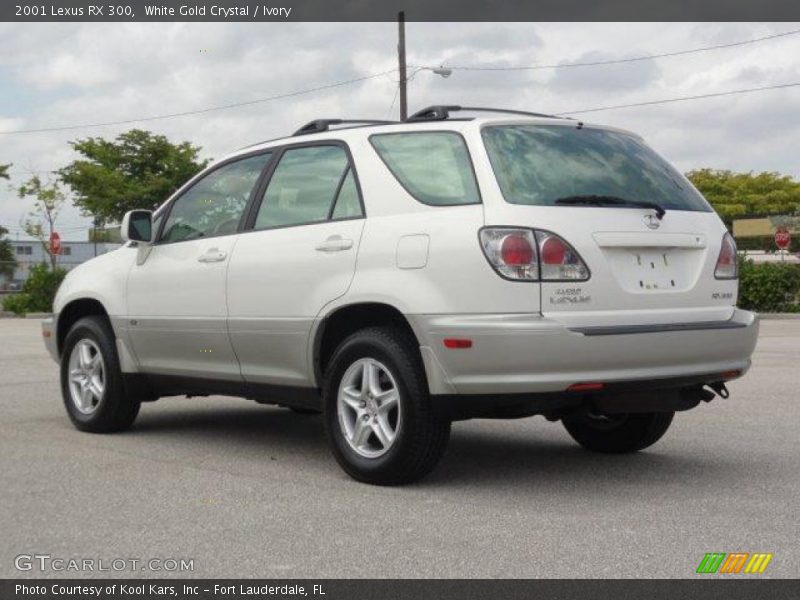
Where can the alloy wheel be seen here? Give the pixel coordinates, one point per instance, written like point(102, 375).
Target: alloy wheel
point(86, 376)
point(368, 407)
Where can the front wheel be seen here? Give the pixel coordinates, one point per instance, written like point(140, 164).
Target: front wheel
point(618, 434)
point(91, 379)
point(378, 414)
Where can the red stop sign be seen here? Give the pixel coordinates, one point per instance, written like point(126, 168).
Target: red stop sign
point(55, 243)
point(783, 238)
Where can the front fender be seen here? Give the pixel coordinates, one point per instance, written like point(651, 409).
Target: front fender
point(102, 278)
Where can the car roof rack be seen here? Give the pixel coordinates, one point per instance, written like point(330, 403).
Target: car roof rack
point(442, 112)
point(320, 125)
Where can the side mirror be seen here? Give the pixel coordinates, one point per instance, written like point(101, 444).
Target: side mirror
point(137, 226)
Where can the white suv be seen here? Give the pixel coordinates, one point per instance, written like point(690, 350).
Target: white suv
point(399, 276)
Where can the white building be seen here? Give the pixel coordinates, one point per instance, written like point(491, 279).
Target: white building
point(30, 253)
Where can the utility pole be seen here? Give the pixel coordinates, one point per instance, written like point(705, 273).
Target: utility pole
point(401, 56)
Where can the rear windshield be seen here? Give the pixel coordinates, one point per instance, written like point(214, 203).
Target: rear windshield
point(433, 166)
point(540, 164)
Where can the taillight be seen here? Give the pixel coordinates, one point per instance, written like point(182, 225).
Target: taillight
point(559, 260)
point(512, 252)
point(553, 250)
point(531, 255)
point(516, 250)
point(727, 265)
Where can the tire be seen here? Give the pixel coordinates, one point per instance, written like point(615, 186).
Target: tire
point(304, 411)
point(115, 409)
point(403, 439)
point(618, 434)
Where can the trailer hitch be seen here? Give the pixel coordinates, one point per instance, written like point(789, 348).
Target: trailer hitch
point(720, 389)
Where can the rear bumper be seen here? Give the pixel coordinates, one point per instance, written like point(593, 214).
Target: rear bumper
point(530, 353)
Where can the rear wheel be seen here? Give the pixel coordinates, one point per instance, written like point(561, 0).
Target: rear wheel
point(618, 434)
point(91, 380)
point(378, 414)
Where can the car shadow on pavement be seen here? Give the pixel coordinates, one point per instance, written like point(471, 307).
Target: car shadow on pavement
point(485, 459)
point(247, 425)
point(474, 458)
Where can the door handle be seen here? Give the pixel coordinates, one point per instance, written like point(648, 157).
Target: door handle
point(212, 255)
point(335, 243)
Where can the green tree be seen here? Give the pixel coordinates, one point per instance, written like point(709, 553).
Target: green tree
point(8, 263)
point(735, 195)
point(138, 169)
point(4, 171)
point(48, 198)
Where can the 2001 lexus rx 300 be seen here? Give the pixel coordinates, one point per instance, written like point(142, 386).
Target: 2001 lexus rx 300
point(399, 276)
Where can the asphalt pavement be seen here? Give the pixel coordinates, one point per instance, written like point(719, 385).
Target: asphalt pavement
point(245, 490)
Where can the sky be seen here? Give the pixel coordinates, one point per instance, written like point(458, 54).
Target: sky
point(57, 74)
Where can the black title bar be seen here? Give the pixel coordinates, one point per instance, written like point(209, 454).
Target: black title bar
point(733, 588)
point(416, 10)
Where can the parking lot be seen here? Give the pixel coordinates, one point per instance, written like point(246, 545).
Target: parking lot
point(247, 490)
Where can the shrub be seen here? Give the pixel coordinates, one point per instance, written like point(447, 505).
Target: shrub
point(38, 291)
point(769, 287)
point(41, 287)
point(766, 243)
point(16, 303)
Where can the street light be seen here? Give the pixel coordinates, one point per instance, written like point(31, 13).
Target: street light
point(442, 71)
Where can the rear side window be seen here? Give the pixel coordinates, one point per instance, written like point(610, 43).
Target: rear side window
point(304, 187)
point(434, 167)
point(348, 204)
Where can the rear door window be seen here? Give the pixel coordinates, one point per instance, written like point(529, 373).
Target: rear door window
point(304, 187)
point(434, 167)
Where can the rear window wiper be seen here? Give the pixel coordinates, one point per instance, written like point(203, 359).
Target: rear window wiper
point(598, 200)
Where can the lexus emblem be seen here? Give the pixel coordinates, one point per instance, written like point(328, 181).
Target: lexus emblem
point(651, 221)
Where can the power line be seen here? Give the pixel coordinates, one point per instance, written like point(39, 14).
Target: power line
point(394, 99)
point(627, 60)
point(662, 101)
point(73, 229)
point(32, 172)
point(202, 110)
point(681, 99)
point(385, 73)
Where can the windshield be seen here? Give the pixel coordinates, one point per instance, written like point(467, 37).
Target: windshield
point(541, 164)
